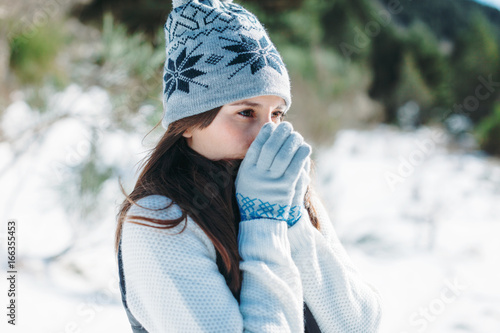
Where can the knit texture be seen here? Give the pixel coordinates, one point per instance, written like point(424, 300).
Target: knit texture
point(217, 52)
point(173, 283)
point(336, 293)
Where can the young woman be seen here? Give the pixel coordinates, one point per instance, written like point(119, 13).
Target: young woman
point(222, 231)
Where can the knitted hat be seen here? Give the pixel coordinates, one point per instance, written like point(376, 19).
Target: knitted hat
point(217, 53)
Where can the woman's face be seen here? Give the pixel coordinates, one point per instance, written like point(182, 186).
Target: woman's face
point(235, 127)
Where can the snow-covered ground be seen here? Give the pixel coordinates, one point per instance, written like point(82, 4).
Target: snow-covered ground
point(421, 222)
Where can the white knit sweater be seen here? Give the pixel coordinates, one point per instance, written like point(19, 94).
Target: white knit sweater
point(173, 283)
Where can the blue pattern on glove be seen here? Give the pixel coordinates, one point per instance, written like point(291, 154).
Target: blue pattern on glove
point(295, 215)
point(254, 208)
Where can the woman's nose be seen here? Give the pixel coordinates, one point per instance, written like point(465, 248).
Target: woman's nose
point(268, 118)
point(259, 127)
point(256, 129)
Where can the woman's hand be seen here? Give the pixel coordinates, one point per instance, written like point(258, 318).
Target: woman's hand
point(269, 173)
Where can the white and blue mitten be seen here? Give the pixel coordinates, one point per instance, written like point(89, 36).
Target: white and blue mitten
point(266, 180)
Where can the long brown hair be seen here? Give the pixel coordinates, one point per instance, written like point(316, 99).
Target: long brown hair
point(202, 188)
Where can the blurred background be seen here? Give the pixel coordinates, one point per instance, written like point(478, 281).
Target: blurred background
point(400, 100)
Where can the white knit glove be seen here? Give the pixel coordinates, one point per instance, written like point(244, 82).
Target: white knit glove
point(267, 177)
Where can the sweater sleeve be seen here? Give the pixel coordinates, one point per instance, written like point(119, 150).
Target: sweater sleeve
point(173, 283)
point(337, 295)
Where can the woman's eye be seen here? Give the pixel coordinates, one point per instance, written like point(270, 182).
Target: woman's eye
point(246, 113)
point(249, 113)
point(278, 114)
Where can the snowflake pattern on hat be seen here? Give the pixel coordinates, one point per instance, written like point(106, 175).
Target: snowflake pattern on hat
point(257, 54)
point(180, 73)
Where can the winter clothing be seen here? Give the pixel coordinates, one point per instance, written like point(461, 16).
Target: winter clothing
point(217, 53)
point(173, 283)
point(269, 172)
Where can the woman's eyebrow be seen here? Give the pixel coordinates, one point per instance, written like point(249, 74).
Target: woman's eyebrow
point(248, 103)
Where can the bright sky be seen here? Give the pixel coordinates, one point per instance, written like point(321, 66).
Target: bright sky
point(492, 3)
